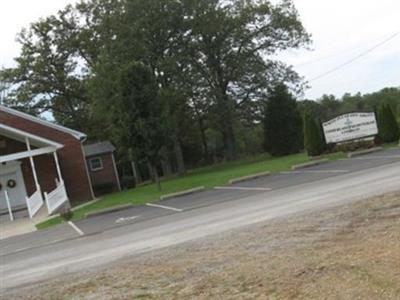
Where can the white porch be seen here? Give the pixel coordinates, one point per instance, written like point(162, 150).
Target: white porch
point(13, 194)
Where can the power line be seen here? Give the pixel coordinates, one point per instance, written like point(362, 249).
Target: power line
point(355, 58)
point(332, 55)
point(309, 62)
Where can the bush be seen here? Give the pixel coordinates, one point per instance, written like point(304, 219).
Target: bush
point(127, 182)
point(282, 123)
point(104, 188)
point(66, 214)
point(314, 141)
point(388, 127)
point(354, 146)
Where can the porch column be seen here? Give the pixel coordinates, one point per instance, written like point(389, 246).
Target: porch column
point(35, 177)
point(9, 206)
point(58, 166)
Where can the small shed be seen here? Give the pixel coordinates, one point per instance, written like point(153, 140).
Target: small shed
point(102, 168)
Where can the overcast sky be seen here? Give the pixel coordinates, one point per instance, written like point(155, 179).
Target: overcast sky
point(341, 29)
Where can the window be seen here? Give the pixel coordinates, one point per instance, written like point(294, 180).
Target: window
point(96, 164)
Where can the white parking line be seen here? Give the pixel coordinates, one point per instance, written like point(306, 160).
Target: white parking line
point(126, 219)
point(315, 171)
point(164, 207)
point(243, 188)
point(80, 232)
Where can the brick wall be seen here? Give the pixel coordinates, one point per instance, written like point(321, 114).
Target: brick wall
point(71, 158)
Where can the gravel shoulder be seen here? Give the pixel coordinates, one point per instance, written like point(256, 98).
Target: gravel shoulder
point(347, 252)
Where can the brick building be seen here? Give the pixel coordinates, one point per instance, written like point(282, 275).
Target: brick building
point(41, 164)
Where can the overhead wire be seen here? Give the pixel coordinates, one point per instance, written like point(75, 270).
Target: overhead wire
point(355, 58)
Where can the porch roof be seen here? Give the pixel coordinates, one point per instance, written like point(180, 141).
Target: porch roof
point(76, 134)
point(43, 145)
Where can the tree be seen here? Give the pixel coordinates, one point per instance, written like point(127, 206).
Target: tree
point(4, 87)
point(57, 54)
point(282, 123)
point(230, 45)
point(331, 106)
point(137, 114)
point(211, 61)
point(313, 139)
point(151, 32)
point(46, 76)
point(387, 124)
point(328, 107)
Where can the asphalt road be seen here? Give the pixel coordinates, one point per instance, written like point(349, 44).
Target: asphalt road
point(50, 253)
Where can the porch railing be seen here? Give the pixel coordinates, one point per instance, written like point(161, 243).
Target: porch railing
point(9, 205)
point(34, 203)
point(56, 198)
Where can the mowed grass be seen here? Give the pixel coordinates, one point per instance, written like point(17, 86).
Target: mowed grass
point(209, 177)
point(391, 145)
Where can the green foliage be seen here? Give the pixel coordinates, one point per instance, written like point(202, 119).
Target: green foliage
point(47, 76)
point(135, 114)
point(313, 137)
point(139, 111)
point(328, 107)
point(387, 124)
point(282, 123)
point(228, 49)
point(213, 62)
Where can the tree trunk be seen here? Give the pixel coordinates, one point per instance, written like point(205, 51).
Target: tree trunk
point(214, 156)
point(229, 140)
point(179, 157)
point(230, 144)
point(165, 162)
point(156, 177)
point(151, 172)
point(226, 118)
point(204, 141)
point(136, 173)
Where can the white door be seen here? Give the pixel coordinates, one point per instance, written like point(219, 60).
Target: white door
point(12, 180)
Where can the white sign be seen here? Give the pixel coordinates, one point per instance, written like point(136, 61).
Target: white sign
point(350, 127)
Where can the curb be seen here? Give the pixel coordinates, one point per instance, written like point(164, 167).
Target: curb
point(362, 152)
point(249, 177)
point(85, 204)
point(72, 209)
point(183, 193)
point(310, 164)
point(107, 210)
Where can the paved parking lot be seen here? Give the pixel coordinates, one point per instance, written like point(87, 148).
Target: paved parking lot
point(238, 190)
point(62, 250)
point(135, 217)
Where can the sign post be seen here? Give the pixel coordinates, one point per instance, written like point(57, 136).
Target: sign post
point(350, 127)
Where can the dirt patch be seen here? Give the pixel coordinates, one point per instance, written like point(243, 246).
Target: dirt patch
point(350, 252)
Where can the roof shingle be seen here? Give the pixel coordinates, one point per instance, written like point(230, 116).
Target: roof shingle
point(98, 148)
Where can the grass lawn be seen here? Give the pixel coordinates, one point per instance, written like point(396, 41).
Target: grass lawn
point(390, 145)
point(209, 177)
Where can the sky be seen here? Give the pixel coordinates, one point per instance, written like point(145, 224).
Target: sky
point(342, 31)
